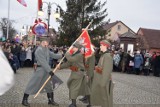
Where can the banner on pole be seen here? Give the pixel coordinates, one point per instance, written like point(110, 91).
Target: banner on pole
point(84, 39)
point(22, 2)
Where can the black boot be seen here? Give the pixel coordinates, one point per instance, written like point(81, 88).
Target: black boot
point(25, 100)
point(73, 104)
point(51, 100)
point(89, 102)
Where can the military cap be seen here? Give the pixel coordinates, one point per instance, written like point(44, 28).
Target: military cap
point(105, 42)
point(45, 39)
point(77, 45)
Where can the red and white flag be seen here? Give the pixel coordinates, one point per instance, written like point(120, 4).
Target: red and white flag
point(22, 2)
point(84, 39)
point(39, 4)
point(7, 78)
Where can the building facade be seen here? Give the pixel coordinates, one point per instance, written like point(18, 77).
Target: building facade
point(148, 40)
point(121, 33)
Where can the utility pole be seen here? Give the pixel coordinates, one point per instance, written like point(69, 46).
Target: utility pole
point(8, 21)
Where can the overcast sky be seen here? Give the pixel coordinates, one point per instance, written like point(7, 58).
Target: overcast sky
point(134, 13)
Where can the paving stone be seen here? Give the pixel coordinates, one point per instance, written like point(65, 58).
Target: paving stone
point(129, 91)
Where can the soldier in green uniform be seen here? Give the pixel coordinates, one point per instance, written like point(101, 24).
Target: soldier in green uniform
point(102, 86)
point(89, 65)
point(77, 80)
point(42, 72)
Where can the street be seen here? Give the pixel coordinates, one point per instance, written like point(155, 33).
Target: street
point(129, 91)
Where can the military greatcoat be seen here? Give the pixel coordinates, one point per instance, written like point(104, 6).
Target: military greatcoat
point(38, 78)
point(77, 80)
point(102, 86)
point(90, 65)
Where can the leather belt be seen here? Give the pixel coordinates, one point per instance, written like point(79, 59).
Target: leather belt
point(75, 69)
point(82, 70)
point(39, 66)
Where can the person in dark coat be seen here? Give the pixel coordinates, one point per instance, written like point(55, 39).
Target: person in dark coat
point(41, 74)
point(153, 63)
point(12, 62)
point(15, 58)
point(22, 56)
point(157, 65)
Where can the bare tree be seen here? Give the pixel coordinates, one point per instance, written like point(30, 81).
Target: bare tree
point(3, 28)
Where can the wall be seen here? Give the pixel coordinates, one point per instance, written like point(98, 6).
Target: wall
point(154, 50)
point(127, 41)
point(123, 29)
point(142, 41)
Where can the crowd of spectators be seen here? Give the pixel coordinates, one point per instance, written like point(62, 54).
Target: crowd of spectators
point(21, 55)
point(139, 63)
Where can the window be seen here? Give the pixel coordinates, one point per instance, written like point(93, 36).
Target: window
point(119, 27)
point(122, 45)
point(130, 48)
point(109, 33)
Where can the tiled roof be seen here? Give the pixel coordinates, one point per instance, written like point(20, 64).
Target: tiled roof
point(109, 25)
point(128, 35)
point(152, 37)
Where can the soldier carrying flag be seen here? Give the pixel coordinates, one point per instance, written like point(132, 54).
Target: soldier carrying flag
point(77, 80)
point(76, 61)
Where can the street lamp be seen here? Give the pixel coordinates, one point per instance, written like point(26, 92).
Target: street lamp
point(27, 28)
point(56, 14)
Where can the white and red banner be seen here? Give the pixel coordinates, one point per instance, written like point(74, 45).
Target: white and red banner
point(7, 78)
point(22, 2)
point(39, 4)
point(84, 39)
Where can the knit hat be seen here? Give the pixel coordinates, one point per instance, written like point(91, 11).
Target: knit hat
point(138, 52)
point(105, 43)
point(43, 39)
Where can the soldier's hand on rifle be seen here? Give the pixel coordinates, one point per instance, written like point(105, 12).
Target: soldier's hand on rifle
point(51, 73)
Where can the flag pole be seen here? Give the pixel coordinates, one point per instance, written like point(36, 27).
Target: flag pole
point(61, 61)
point(8, 18)
point(35, 36)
